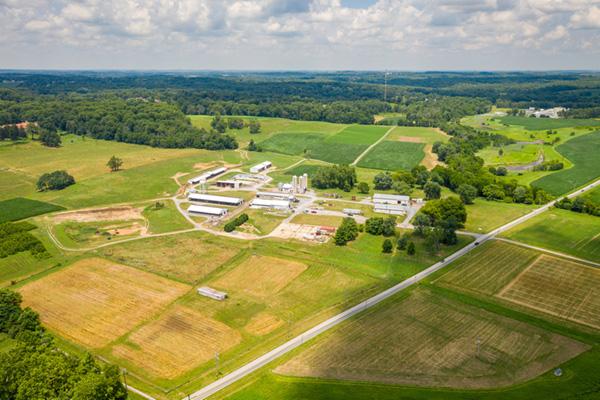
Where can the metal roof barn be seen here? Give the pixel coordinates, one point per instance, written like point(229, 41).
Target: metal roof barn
point(210, 198)
point(268, 203)
point(214, 211)
point(383, 198)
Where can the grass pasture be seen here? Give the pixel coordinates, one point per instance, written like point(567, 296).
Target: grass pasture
point(20, 208)
point(429, 340)
point(165, 219)
point(484, 216)
point(559, 287)
point(583, 153)
point(488, 269)
point(393, 156)
point(417, 133)
point(94, 301)
point(185, 257)
point(175, 343)
point(561, 230)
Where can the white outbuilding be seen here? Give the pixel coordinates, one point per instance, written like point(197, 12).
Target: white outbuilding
point(211, 198)
point(383, 198)
point(261, 167)
point(212, 293)
point(207, 175)
point(392, 209)
point(270, 203)
point(204, 210)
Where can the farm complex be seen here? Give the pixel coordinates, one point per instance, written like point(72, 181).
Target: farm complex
point(428, 246)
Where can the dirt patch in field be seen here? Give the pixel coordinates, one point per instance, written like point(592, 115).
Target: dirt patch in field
point(430, 340)
point(177, 342)
point(430, 160)
point(261, 276)
point(123, 213)
point(262, 324)
point(566, 289)
point(95, 301)
point(130, 230)
point(410, 139)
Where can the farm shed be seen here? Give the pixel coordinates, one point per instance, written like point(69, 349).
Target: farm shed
point(392, 209)
point(203, 210)
point(261, 167)
point(211, 198)
point(326, 230)
point(212, 293)
point(382, 198)
point(229, 184)
point(276, 195)
point(207, 175)
point(268, 203)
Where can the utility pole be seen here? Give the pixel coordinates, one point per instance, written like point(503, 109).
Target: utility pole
point(217, 362)
point(385, 75)
point(478, 346)
point(125, 378)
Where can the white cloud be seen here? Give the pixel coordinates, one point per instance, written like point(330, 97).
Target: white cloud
point(431, 29)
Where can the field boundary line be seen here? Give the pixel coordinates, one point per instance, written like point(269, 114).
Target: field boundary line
point(299, 340)
point(364, 153)
point(544, 250)
point(510, 284)
point(139, 392)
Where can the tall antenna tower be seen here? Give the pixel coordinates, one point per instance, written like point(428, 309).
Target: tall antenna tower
point(385, 75)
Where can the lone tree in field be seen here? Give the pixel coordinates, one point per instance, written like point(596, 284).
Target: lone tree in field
point(387, 246)
point(114, 163)
point(411, 249)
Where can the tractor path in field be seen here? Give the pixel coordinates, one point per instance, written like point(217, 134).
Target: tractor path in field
point(292, 344)
point(364, 153)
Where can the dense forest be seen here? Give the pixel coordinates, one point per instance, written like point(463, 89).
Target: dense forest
point(151, 108)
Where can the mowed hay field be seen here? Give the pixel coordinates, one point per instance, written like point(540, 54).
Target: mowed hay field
point(417, 134)
point(563, 288)
point(261, 276)
point(187, 257)
point(561, 230)
point(95, 301)
point(484, 216)
point(177, 342)
point(489, 268)
point(393, 156)
point(429, 340)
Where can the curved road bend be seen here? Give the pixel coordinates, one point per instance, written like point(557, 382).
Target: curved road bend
point(335, 320)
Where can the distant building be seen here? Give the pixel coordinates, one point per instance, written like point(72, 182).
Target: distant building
point(544, 113)
point(326, 230)
point(276, 195)
point(212, 293)
point(209, 211)
point(270, 203)
point(210, 198)
point(261, 167)
point(382, 198)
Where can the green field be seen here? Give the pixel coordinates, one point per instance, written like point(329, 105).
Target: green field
point(561, 230)
point(583, 153)
point(424, 135)
point(548, 123)
point(512, 154)
point(393, 156)
point(340, 148)
point(484, 216)
point(165, 218)
point(20, 208)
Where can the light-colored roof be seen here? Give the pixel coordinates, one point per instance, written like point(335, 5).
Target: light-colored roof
point(270, 203)
point(390, 207)
point(214, 199)
point(209, 290)
point(385, 196)
point(275, 194)
point(206, 210)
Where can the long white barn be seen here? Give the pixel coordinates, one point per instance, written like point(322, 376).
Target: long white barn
point(270, 203)
point(204, 210)
point(211, 198)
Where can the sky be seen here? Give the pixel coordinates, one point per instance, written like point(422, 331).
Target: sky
point(300, 34)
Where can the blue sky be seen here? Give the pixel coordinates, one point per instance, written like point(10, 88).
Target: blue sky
point(300, 34)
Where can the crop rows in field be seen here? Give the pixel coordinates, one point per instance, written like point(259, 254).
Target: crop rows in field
point(20, 208)
point(393, 156)
point(559, 287)
point(490, 268)
point(340, 148)
point(583, 153)
point(431, 340)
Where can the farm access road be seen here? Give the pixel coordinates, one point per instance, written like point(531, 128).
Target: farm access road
point(272, 355)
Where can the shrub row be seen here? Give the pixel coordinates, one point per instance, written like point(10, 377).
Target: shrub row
point(231, 225)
